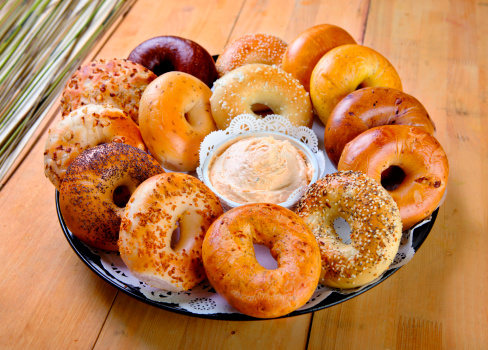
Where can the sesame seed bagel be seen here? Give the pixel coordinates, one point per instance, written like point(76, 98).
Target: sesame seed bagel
point(253, 48)
point(239, 90)
point(86, 127)
point(235, 273)
point(116, 82)
point(96, 188)
point(155, 210)
point(175, 117)
point(373, 217)
point(345, 69)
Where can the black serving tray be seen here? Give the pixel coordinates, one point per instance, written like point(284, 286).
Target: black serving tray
point(94, 261)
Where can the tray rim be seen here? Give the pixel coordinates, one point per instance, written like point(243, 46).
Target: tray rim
point(334, 299)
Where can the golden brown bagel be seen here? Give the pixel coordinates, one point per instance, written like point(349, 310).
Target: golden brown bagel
point(116, 82)
point(158, 206)
point(418, 154)
point(239, 90)
point(367, 108)
point(234, 272)
point(175, 117)
point(96, 188)
point(372, 215)
point(307, 49)
point(345, 69)
point(85, 127)
point(253, 48)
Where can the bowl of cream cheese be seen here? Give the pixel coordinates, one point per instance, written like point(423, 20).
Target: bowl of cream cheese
point(260, 167)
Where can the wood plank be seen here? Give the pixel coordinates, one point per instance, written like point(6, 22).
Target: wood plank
point(133, 325)
point(287, 19)
point(206, 22)
point(438, 50)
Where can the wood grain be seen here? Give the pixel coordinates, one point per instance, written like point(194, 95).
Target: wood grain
point(436, 47)
point(206, 22)
point(132, 324)
point(287, 19)
point(50, 299)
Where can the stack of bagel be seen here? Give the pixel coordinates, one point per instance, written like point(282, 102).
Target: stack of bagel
point(131, 130)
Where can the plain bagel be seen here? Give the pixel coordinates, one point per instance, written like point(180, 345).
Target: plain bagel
point(307, 49)
point(175, 117)
point(345, 69)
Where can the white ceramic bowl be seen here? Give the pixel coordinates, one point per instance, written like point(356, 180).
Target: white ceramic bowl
point(226, 143)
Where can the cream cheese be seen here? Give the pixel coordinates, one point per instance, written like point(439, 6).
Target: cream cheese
point(260, 170)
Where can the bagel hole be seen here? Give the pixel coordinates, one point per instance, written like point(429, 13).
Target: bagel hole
point(164, 67)
point(175, 236)
point(264, 257)
point(189, 120)
point(343, 230)
point(392, 177)
point(261, 109)
point(121, 196)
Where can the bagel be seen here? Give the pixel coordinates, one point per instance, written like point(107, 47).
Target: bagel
point(345, 69)
point(164, 54)
point(175, 117)
point(239, 90)
point(116, 82)
point(86, 127)
point(158, 206)
point(96, 188)
point(234, 272)
point(415, 155)
point(253, 48)
point(367, 108)
point(373, 218)
point(307, 49)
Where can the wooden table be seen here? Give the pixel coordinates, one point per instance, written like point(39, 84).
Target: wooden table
point(50, 299)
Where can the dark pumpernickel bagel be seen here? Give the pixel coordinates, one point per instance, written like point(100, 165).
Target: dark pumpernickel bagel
point(164, 54)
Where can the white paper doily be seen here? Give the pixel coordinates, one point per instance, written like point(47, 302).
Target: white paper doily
point(203, 299)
